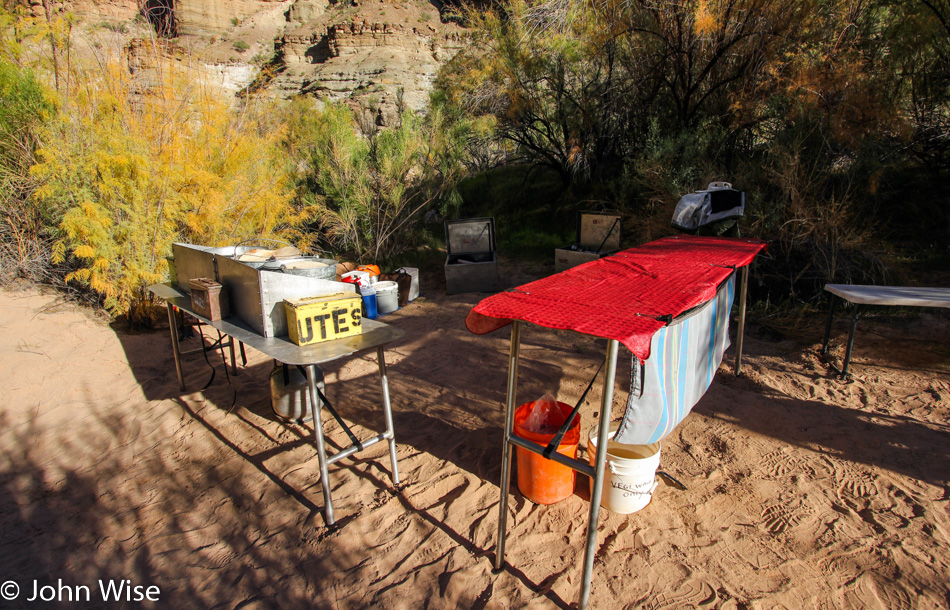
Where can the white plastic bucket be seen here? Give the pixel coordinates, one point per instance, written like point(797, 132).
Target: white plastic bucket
point(387, 297)
point(630, 476)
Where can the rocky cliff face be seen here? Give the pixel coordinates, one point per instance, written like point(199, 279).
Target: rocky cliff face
point(218, 17)
point(380, 54)
point(385, 65)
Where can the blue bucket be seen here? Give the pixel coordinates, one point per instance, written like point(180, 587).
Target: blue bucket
point(369, 302)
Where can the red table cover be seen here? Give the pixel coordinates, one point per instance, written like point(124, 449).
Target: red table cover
point(627, 296)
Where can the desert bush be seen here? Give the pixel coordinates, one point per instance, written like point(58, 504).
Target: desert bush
point(365, 190)
point(24, 241)
point(134, 162)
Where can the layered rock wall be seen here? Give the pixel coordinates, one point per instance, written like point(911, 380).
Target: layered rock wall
point(216, 17)
point(382, 54)
point(392, 64)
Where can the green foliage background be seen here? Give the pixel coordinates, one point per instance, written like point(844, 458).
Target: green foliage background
point(832, 115)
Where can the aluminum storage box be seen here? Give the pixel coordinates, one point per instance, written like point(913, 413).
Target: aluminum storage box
point(191, 262)
point(472, 263)
point(257, 296)
point(598, 235)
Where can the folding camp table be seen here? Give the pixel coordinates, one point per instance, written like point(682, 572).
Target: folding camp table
point(861, 296)
point(375, 335)
point(625, 298)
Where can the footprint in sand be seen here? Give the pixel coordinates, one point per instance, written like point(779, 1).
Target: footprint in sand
point(856, 484)
point(692, 594)
point(778, 518)
point(215, 556)
point(726, 512)
point(778, 463)
point(890, 520)
point(867, 592)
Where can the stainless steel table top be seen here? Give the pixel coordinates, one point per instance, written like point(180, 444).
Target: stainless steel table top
point(282, 348)
point(907, 296)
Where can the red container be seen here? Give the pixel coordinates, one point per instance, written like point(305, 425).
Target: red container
point(541, 480)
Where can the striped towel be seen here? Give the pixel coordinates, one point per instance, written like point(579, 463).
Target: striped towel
point(684, 357)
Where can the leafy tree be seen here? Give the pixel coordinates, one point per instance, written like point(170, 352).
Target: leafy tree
point(365, 193)
point(557, 94)
point(921, 45)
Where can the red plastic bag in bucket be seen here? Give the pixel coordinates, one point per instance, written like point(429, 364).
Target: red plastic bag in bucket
point(541, 480)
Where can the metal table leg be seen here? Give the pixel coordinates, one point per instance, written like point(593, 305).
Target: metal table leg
point(831, 317)
point(317, 406)
point(388, 412)
point(847, 355)
point(234, 367)
point(176, 352)
point(740, 332)
point(507, 448)
point(599, 468)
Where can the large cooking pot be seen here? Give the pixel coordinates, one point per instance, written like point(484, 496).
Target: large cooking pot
point(257, 256)
point(307, 266)
point(290, 392)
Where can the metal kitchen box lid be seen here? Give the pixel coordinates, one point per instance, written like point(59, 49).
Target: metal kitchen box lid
point(470, 236)
point(194, 261)
point(599, 231)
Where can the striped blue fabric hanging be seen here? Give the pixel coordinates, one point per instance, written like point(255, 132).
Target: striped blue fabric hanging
point(684, 357)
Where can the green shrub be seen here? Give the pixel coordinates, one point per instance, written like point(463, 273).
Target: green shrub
point(24, 238)
point(366, 191)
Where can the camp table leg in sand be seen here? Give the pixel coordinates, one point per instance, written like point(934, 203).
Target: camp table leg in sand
point(374, 335)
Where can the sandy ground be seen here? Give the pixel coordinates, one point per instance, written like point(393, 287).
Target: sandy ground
point(802, 492)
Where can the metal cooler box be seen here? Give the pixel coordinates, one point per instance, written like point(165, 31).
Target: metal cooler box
point(471, 264)
point(193, 262)
point(255, 296)
point(598, 235)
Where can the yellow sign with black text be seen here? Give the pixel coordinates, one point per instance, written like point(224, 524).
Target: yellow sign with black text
point(323, 318)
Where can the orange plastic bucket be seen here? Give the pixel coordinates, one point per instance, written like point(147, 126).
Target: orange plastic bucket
point(541, 480)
